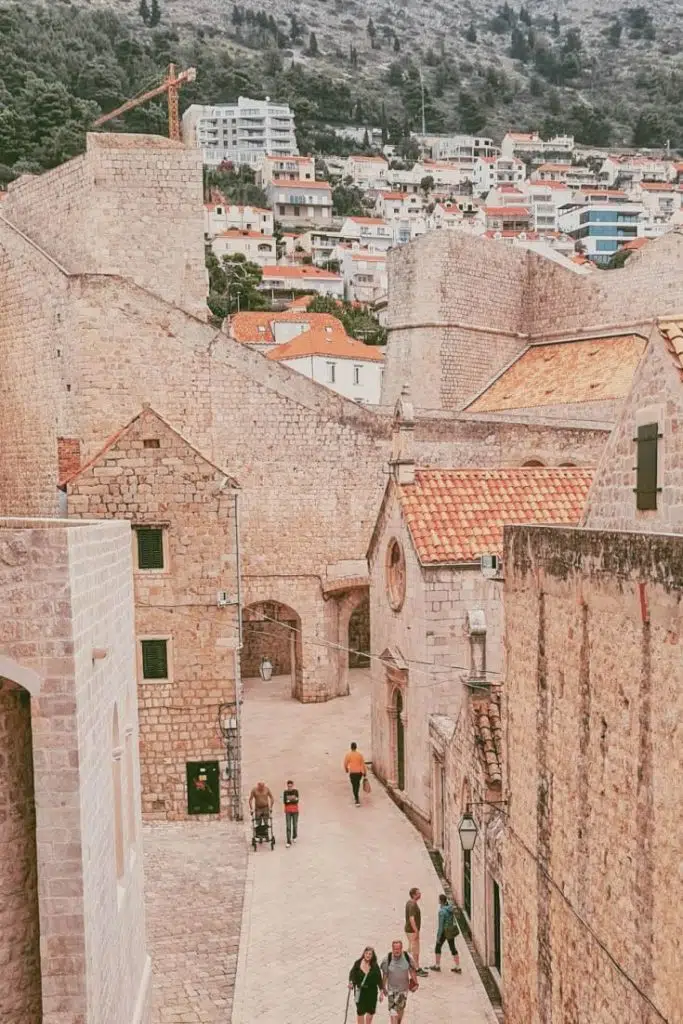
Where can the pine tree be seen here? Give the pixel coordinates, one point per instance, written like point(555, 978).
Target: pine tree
point(397, 44)
point(155, 14)
point(312, 45)
point(471, 34)
point(143, 11)
point(555, 26)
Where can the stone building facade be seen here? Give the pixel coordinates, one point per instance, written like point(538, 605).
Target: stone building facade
point(593, 743)
point(182, 509)
point(311, 465)
point(463, 308)
point(646, 440)
point(72, 927)
point(437, 625)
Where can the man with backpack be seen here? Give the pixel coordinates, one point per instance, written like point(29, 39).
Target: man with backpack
point(446, 931)
point(399, 977)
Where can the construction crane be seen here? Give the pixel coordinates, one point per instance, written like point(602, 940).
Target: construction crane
point(170, 85)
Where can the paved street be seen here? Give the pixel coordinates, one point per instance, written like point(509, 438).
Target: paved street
point(194, 882)
point(310, 910)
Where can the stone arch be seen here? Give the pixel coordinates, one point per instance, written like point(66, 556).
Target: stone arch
point(350, 603)
point(21, 1000)
point(568, 465)
point(396, 687)
point(117, 781)
point(533, 462)
point(272, 630)
point(359, 633)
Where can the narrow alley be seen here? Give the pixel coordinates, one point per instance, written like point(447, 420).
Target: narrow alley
point(310, 910)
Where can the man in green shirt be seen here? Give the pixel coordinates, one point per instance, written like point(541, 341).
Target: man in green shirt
point(412, 928)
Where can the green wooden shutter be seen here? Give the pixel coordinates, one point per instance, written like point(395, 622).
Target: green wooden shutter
point(646, 467)
point(154, 659)
point(150, 547)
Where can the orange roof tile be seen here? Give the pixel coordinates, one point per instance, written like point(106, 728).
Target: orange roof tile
point(565, 373)
point(256, 328)
point(514, 211)
point(456, 515)
point(368, 220)
point(635, 243)
point(369, 159)
point(657, 186)
point(554, 167)
point(301, 302)
point(290, 159)
point(239, 233)
point(301, 183)
point(303, 272)
point(319, 342)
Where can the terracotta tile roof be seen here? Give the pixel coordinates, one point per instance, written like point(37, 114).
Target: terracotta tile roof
point(635, 243)
point(511, 211)
point(672, 332)
point(488, 734)
point(256, 328)
point(657, 186)
point(368, 220)
point(524, 136)
point(554, 167)
point(290, 159)
point(239, 233)
point(456, 515)
point(565, 373)
point(301, 302)
point(318, 342)
point(309, 272)
point(368, 159)
point(397, 195)
point(540, 185)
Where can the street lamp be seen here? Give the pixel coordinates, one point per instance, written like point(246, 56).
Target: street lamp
point(468, 831)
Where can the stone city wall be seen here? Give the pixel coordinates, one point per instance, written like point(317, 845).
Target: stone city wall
point(591, 931)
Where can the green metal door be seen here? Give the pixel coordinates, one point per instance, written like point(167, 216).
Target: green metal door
point(203, 787)
point(400, 743)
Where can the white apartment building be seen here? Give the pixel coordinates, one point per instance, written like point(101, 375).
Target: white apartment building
point(531, 146)
point(367, 172)
point(242, 132)
point(221, 216)
point(289, 168)
point(364, 273)
point(404, 213)
point(546, 198)
point(458, 148)
point(340, 363)
point(630, 170)
point(255, 247)
point(373, 233)
point(301, 202)
point(602, 222)
point(491, 172)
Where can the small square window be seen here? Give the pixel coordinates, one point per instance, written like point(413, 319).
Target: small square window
point(150, 547)
point(154, 659)
point(151, 442)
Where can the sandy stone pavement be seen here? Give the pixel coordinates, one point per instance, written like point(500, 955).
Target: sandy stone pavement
point(309, 910)
point(194, 882)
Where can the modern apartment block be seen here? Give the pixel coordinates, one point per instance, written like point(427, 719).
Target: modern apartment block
point(603, 223)
point(242, 132)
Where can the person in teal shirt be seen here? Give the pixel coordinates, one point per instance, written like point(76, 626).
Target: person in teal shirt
point(446, 931)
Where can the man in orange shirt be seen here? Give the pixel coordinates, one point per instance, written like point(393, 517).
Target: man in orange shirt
point(354, 766)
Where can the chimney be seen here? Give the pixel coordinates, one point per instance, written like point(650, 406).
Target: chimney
point(402, 463)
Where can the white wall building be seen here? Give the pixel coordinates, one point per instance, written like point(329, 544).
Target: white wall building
point(241, 132)
point(531, 146)
point(305, 279)
point(404, 213)
point(458, 148)
point(374, 233)
point(490, 172)
point(255, 247)
point(367, 172)
point(301, 202)
point(220, 217)
point(365, 275)
point(341, 363)
point(289, 168)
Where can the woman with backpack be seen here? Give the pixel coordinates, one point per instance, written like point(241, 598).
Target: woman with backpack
point(447, 929)
point(365, 978)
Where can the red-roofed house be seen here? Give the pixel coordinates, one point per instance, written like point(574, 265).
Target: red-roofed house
point(437, 631)
point(491, 172)
point(304, 278)
point(285, 168)
point(222, 216)
point(343, 364)
point(372, 232)
point(508, 218)
point(368, 172)
point(257, 248)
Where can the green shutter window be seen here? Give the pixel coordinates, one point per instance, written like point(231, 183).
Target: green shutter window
point(150, 547)
point(646, 466)
point(154, 659)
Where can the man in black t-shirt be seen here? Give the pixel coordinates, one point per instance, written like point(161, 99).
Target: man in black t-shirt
point(290, 799)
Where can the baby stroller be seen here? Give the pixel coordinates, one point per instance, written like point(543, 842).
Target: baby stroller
point(262, 829)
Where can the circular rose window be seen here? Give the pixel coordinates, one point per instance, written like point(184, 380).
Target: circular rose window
point(395, 574)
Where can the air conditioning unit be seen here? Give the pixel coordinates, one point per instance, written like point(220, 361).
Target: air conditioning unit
point(491, 567)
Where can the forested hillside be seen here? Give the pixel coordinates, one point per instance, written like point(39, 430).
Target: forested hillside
point(615, 80)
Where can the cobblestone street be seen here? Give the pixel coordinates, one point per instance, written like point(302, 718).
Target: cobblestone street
point(194, 881)
point(311, 909)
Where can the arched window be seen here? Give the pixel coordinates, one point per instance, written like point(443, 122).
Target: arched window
point(533, 462)
point(116, 754)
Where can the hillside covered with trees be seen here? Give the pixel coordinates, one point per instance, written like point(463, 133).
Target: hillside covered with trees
point(61, 65)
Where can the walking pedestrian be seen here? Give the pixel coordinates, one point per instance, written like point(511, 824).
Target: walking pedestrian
point(446, 931)
point(290, 798)
point(354, 766)
point(261, 804)
point(412, 928)
point(365, 978)
point(399, 978)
